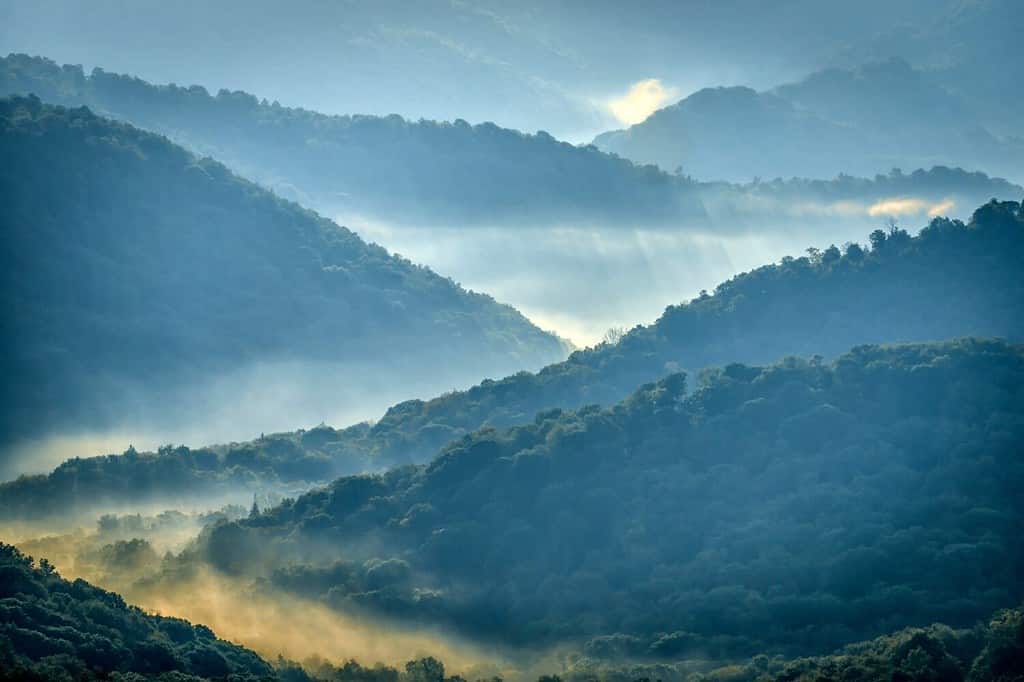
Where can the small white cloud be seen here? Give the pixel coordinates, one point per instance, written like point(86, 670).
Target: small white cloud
point(941, 208)
point(907, 206)
point(897, 207)
point(643, 99)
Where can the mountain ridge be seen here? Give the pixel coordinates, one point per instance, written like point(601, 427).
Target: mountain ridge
point(674, 509)
point(155, 248)
point(953, 279)
point(879, 115)
point(403, 169)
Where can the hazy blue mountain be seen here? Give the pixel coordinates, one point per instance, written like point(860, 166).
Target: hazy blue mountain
point(438, 174)
point(131, 268)
point(425, 171)
point(879, 95)
point(859, 121)
point(790, 508)
point(992, 650)
point(970, 48)
point(951, 280)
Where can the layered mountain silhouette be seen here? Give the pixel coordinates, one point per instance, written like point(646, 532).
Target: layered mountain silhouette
point(951, 280)
point(427, 171)
point(792, 508)
point(134, 268)
point(860, 121)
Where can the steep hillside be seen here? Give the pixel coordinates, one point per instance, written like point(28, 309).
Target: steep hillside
point(789, 508)
point(953, 279)
point(130, 267)
point(859, 121)
point(53, 629)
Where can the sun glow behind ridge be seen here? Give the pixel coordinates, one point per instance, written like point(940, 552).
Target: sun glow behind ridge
point(643, 99)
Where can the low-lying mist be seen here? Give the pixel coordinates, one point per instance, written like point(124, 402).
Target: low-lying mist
point(272, 624)
point(265, 397)
point(147, 559)
point(580, 281)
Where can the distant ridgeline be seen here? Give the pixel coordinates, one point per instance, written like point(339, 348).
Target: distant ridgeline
point(129, 264)
point(791, 508)
point(951, 280)
point(55, 630)
point(800, 201)
point(857, 121)
point(425, 170)
point(435, 172)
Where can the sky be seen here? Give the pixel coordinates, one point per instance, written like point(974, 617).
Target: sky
point(571, 67)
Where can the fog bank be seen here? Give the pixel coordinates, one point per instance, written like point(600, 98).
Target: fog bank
point(265, 397)
point(581, 281)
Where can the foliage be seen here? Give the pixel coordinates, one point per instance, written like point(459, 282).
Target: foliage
point(415, 170)
point(96, 636)
point(935, 183)
point(131, 267)
point(442, 173)
point(991, 651)
point(790, 508)
point(950, 280)
point(53, 629)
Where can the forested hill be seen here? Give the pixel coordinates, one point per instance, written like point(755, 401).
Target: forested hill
point(390, 166)
point(988, 652)
point(788, 508)
point(156, 268)
point(53, 629)
point(951, 280)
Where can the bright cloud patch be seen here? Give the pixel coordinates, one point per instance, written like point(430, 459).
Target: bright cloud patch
point(642, 100)
point(942, 208)
point(906, 206)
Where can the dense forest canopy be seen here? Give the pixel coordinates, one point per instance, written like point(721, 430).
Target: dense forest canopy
point(858, 121)
point(950, 280)
point(52, 629)
point(156, 268)
point(991, 651)
point(55, 629)
point(791, 508)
